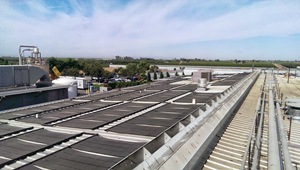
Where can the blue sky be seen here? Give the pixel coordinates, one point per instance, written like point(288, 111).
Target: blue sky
point(214, 29)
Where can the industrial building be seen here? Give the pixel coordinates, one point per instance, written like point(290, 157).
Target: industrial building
point(29, 82)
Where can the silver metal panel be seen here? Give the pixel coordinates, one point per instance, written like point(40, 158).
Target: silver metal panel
point(31, 90)
point(25, 77)
point(6, 76)
point(21, 77)
point(36, 73)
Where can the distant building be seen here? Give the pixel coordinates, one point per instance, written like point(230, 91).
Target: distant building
point(171, 72)
point(109, 69)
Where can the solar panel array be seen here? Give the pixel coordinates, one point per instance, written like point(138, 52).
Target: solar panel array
point(26, 144)
point(231, 80)
point(93, 153)
point(189, 87)
point(199, 97)
point(54, 135)
point(103, 117)
point(162, 97)
point(61, 114)
point(156, 121)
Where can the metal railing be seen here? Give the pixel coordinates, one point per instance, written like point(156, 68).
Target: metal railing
point(278, 152)
point(257, 147)
point(287, 163)
point(254, 129)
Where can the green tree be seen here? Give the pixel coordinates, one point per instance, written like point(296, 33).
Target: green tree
point(72, 63)
point(153, 68)
point(123, 72)
point(161, 75)
point(142, 77)
point(61, 64)
point(118, 70)
point(94, 70)
point(56, 62)
point(155, 76)
point(148, 77)
point(168, 75)
point(142, 67)
point(118, 58)
point(70, 72)
point(87, 68)
point(98, 72)
point(107, 74)
point(3, 61)
point(131, 69)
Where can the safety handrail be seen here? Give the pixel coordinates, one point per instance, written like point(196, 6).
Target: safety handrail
point(248, 146)
point(257, 147)
point(282, 133)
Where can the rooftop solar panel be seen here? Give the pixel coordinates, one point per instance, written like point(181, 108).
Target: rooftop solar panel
point(82, 113)
point(57, 115)
point(154, 122)
point(29, 143)
point(104, 95)
point(101, 118)
point(93, 153)
point(6, 129)
point(189, 87)
point(131, 96)
point(161, 97)
point(199, 97)
point(229, 81)
point(39, 109)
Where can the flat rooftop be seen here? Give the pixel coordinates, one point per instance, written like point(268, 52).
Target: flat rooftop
point(99, 130)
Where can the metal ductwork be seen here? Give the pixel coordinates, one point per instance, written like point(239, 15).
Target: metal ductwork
point(35, 72)
point(11, 76)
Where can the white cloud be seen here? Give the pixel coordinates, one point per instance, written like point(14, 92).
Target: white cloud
point(141, 26)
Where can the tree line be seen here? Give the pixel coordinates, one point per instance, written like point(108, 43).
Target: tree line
point(95, 68)
point(70, 65)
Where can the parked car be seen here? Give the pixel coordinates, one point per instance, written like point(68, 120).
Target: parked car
point(100, 80)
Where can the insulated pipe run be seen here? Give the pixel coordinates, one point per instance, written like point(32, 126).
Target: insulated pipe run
point(274, 161)
point(283, 139)
point(285, 148)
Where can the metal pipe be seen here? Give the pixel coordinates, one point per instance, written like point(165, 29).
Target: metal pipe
point(274, 161)
point(20, 52)
point(249, 156)
point(282, 132)
point(248, 147)
point(290, 128)
point(23, 54)
point(257, 147)
point(39, 58)
point(285, 148)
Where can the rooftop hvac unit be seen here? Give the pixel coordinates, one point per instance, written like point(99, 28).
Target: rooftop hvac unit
point(202, 83)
